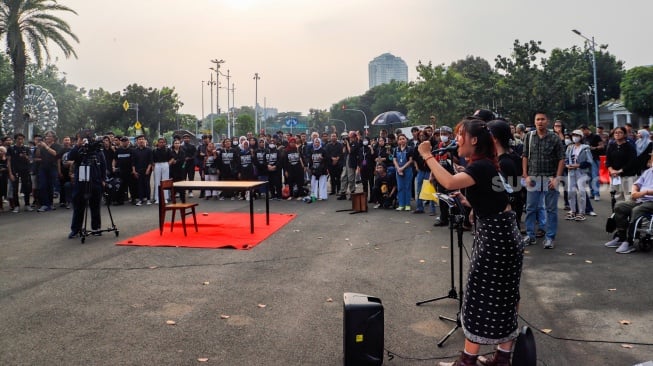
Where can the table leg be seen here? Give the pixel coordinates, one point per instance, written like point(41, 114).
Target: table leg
point(267, 203)
point(251, 211)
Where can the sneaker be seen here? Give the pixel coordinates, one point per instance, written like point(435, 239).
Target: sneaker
point(592, 213)
point(289, 199)
point(527, 240)
point(400, 208)
point(377, 205)
point(139, 203)
point(44, 209)
point(407, 208)
point(29, 208)
point(570, 216)
point(299, 198)
point(16, 209)
point(148, 202)
point(73, 234)
point(580, 217)
point(190, 195)
point(548, 244)
point(625, 248)
point(614, 243)
point(540, 233)
point(69, 206)
point(597, 198)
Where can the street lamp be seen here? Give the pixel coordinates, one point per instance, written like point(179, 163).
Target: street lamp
point(596, 93)
point(210, 84)
point(256, 79)
point(217, 81)
point(158, 105)
point(339, 120)
point(364, 115)
point(228, 76)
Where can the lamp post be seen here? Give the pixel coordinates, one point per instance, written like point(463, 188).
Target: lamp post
point(596, 93)
point(202, 105)
point(158, 105)
point(256, 79)
point(217, 83)
point(339, 120)
point(364, 115)
point(210, 84)
point(228, 76)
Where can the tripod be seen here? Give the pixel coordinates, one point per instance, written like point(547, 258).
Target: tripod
point(83, 233)
point(456, 219)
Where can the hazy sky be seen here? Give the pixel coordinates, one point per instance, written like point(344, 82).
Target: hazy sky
point(312, 53)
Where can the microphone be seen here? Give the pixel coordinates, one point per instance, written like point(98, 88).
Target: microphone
point(444, 150)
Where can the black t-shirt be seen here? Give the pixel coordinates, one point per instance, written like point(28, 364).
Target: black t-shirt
point(488, 196)
point(593, 140)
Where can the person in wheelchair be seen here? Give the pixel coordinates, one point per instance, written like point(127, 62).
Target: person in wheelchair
point(626, 213)
point(384, 192)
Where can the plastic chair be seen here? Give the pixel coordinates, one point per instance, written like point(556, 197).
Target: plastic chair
point(184, 209)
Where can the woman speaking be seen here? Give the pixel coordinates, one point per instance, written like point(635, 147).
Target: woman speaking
point(491, 297)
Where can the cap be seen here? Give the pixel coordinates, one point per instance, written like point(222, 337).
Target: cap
point(577, 132)
point(446, 129)
point(186, 135)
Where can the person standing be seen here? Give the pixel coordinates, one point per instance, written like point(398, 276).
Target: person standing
point(189, 158)
point(90, 173)
point(578, 161)
point(403, 161)
point(273, 158)
point(48, 174)
point(542, 165)
point(294, 168)
point(124, 164)
point(366, 165)
point(19, 172)
point(335, 157)
point(141, 170)
point(161, 157)
point(178, 166)
point(488, 314)
point(318, 164)
point(597, 148)
point(348, 178)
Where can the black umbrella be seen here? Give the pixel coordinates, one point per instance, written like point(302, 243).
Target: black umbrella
point(389, 118)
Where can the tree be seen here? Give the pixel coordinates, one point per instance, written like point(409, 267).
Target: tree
point(637, 90)
point(244, 124)
point(28, 25)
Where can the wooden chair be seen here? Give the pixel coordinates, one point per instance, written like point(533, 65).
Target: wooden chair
point(184, 209)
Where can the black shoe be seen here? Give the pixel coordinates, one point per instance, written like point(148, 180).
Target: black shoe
point(73, 234)
point(332, 193)
point(540, 233)
point(342, 198)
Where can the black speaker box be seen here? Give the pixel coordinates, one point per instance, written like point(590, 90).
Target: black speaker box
point(362, 330)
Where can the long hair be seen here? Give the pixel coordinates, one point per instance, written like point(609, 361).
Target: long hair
point(484, 148)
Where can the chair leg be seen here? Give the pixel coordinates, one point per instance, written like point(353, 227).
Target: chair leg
point(162, 219)
point(194, 219)
point(183, 221)
point(172, 223)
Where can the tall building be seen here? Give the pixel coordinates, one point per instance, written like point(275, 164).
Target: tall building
point(386, 68)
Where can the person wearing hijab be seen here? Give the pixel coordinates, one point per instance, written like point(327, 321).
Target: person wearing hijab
point(318, 164)
point(643, 146)
point(293, 169)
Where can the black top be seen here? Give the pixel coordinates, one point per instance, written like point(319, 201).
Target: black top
point(594, 140)
point(487, 196)
point(621, 157)
point(161, 155)
point(142, 158)
point(124, 159)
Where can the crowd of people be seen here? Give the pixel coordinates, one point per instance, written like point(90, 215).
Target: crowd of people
point(497, 171)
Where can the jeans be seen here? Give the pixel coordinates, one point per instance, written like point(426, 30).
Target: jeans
point(594, 186)
point(533, 203)
point(403, 187)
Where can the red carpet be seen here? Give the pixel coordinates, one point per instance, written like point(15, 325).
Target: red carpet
point(216, 230)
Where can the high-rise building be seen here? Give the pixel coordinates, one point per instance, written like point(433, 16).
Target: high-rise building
point(386, 68)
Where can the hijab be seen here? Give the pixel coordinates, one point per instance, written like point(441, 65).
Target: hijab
point(642, 143)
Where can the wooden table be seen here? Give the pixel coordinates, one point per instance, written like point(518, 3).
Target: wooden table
point(233, 186)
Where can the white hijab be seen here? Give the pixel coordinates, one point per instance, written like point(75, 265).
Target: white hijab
point(642, 143)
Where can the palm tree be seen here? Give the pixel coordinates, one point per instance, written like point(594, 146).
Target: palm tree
point(28, 26)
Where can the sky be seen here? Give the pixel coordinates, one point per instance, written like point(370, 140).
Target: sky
point(313, 53)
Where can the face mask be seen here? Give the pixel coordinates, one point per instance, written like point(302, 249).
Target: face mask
point(272, 146)
point(567, 141)
point(576, 139)
point(444, 139)
point(365, 143)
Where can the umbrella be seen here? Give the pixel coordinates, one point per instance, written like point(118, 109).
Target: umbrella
point(389, 118)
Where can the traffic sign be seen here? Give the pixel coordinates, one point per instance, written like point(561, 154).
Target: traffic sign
point(291, 122)
point(125, 105)
point(138, 125)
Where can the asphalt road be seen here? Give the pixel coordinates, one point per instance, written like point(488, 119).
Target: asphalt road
point(67, 303)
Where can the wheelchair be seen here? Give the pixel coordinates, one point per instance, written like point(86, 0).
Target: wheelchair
point(642, 232)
